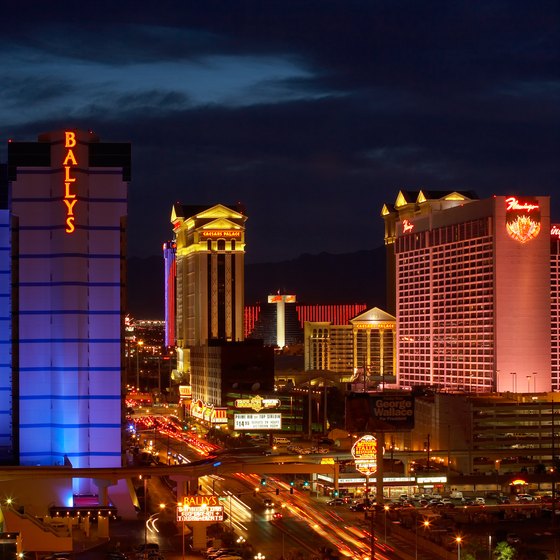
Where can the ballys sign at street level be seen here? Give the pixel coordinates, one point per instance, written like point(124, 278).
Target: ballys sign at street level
point(364, 452)
point(68, 163)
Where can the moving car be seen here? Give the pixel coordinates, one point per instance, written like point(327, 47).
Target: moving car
point(525, 498)
point(336, 502)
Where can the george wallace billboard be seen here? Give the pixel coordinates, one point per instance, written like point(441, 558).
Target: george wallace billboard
point(379, 412)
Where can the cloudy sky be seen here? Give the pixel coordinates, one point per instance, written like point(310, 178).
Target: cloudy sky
point(312, 113)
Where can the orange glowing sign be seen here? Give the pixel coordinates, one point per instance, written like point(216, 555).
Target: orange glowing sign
point(364, 452)
point(200, 508)
point(278, 298)
point(221, 233)
point(523, 218)
point(198, 501)
point(407, 226)
point(67, 164)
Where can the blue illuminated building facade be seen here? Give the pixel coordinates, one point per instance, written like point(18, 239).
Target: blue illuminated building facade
point(6, 394)
point(61, 381)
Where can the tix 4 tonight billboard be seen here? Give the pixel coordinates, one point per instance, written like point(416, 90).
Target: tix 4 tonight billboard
point(379, 412)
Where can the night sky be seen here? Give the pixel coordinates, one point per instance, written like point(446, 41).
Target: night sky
point(310, 113)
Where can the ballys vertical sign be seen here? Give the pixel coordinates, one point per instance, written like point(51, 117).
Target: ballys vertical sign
point(68, 164)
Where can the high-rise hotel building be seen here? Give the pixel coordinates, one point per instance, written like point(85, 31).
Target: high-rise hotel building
point(210, 258)
point(472, 291)
point(209, 252)
point(61, 369)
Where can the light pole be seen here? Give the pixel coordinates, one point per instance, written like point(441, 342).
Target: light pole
point(180, 510)
point(145, 478)
point(386, 508)
point(139, 345)
point(425, 525)
point(372, 532)
point(416, 537)
point(534, 382)
point(514, 382)
point(458, 540)
point(528, 383)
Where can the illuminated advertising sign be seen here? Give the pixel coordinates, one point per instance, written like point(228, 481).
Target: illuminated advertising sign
point(431, 479)
point(407, 226)
point(185, 391)
point(523, 218)
point(377, 412)
point(263, 421)
point(221, 233)
point(555, 231)
point(209, 413)
point(257, 403)
point(364, 452)
point(68, 163)
point(277, 298)
point(200, 508)
point(374, 325)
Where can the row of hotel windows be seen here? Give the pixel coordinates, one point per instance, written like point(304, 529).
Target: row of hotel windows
point(472, 245)
point(426, 283)
point(431, 264)
point(447, 307)
point(452, 357)
point(444, 235)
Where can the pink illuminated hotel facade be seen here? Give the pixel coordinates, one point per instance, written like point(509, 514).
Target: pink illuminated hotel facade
point(475, 287)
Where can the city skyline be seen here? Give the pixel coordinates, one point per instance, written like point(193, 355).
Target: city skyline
point(312, 115)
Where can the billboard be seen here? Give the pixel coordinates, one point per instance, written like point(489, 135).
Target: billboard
point(263, 421)
point(200, 508)
point(379, 412)
point(364, 452)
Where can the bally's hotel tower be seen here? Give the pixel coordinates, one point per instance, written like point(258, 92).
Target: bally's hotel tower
point(62, 250)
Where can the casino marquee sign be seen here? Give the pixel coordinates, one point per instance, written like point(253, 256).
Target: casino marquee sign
point(364, 452)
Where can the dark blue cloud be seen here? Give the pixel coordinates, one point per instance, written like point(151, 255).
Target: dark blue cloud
point(312, 113)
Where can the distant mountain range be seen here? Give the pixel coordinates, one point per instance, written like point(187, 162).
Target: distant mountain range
point(325, 278)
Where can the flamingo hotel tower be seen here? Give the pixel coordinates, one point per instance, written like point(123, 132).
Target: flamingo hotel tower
point(64, 248)
point(475, 291)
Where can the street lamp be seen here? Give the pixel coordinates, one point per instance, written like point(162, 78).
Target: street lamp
point(145, 478)
point(386, 508)
point(534, 382)
point(181, 506)
point(514, 382)
point(260, 556)
point(139, 345)
point(425, 525)
point(458, 540)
